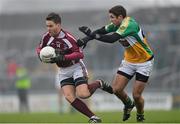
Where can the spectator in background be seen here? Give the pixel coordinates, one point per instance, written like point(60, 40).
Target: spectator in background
point(173, 30)
point(11, 69)
point(23, 84)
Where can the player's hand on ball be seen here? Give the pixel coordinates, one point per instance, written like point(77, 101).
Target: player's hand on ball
point(58, 58)
point(46, 60)
point(86, 30)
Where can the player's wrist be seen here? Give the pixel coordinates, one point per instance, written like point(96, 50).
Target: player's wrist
point(95, 35)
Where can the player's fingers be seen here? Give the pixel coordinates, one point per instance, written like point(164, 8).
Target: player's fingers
point(46, 60)
point(82, 28)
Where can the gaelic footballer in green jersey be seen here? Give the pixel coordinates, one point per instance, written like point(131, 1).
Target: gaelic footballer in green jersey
point(138, 57)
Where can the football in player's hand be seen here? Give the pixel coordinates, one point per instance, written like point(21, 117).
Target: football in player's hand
point(47, 53)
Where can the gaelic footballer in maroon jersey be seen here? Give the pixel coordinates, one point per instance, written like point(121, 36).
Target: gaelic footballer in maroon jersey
point(72, 73)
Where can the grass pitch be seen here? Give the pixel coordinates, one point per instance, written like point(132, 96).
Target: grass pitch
point(172, 116)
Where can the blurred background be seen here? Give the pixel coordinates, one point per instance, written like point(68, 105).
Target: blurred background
point(22, 23)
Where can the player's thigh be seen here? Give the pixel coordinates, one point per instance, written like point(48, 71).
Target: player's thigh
point(69, 92)
point(138, 88)
point(142, 75)
point(124, 74)
point(119, 83)
point(82, 91)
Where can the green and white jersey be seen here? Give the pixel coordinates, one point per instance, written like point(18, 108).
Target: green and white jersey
point(136, 47)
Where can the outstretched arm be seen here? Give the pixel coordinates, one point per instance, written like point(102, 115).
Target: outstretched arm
point(108, 38)
point(87, 31)
point(99, 34)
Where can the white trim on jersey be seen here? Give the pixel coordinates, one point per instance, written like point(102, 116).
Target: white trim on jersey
point(68, 43)
point(61, 34)
point(140, 34)
point(131, 40)
point(71, 36)
point(50, 40)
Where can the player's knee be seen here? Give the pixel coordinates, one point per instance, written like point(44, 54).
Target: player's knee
point(83, 95)
point(136, 96)
point(69, 97)
point(115, 90)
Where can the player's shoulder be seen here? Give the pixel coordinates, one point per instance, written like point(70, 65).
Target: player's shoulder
point(128, 23)
point(69, 35)
point(45, 36)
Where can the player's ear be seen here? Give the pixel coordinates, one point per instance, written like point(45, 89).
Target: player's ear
point(59, 25)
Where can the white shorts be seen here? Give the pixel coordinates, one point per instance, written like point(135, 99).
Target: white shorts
point(68, 75)
point(133, 68)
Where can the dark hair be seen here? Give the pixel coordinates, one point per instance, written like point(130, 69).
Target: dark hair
point(54, 17)
point(118, 10)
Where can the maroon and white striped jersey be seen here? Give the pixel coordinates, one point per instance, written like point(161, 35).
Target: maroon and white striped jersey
point(66, 44)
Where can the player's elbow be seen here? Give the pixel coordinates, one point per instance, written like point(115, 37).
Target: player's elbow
point(81, 56)
point(38, 49)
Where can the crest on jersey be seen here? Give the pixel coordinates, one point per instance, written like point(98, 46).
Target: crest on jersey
point(122, 28)
point(58, 44)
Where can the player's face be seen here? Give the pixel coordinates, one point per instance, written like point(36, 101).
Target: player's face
point(115, 20)
point(53, 28)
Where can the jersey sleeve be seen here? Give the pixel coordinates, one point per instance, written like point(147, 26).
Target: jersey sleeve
point(76, 52)
point(127, 28)
point(39, 47)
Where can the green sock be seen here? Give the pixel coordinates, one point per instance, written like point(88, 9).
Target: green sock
point(128, 101)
